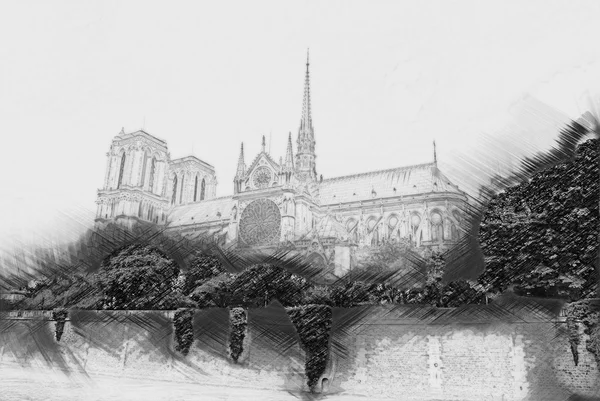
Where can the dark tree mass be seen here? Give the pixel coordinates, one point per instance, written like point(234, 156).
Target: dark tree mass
point(542, 236)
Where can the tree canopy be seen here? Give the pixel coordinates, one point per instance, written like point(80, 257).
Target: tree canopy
point(542, 235)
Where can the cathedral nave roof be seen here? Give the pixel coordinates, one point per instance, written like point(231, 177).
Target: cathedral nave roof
point(402, 181)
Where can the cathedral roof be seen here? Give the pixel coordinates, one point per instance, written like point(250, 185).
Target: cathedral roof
point(402, 181)
point(206, 211)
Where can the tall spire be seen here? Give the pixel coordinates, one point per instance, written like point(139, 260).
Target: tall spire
point(306, 120)
point(241, 167)
point(289, 155)
point(305, 156)
point(434, 153)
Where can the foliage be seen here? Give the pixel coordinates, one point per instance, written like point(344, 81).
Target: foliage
point(79, 290)
point(238, 323)
point(184, 331)
point(59, 315)
point(542, 235)
point(587, 312)
point(389, 256)
point(215, 292)
point(202, 268)
point(138, 277)
point(313, 324)
point(317, 295)
point(259, 284)
point(350, 294)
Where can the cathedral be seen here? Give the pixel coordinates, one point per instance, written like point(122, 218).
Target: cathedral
point(282, 203)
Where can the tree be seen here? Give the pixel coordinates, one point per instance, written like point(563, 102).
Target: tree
point(542, 235)
point(202, 268)
point(216, 291)
point(139, 277)
point(259, 284)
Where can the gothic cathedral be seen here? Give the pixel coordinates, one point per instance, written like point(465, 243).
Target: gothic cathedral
point(282, 203)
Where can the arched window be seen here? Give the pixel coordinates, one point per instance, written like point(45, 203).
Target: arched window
point(121, 171)
point(453, 228)
point(152, 170)
point(195, 188)
point(143, 181)
point(202, 189)
point(437, 227)
point(181, 191)
point(140, 210)
point(174, 197)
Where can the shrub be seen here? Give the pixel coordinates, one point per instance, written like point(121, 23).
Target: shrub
point(184, 331)
point(238, 323)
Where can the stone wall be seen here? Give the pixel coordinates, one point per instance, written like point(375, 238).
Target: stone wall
point(409, 353)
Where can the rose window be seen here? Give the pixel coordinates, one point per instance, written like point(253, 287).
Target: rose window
point(260, 223)
point(261, 177)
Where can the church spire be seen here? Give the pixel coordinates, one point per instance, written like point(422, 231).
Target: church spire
point(434, 154)
point(305, 156)
point(289, 155)
point(241, 167)
point(306, 120)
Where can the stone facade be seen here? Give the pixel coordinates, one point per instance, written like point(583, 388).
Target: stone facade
point(283, 204)
point(392, 355)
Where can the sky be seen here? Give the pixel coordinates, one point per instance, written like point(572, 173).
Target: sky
point(387, 78)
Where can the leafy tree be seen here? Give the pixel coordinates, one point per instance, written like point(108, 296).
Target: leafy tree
point(542, 235)
point(317, 295)
point(202, 268)
point(215, 292)
point(351, 294)
point(259, 284)
point(139, 277)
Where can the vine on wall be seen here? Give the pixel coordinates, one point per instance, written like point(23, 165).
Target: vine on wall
point(59, 315)
point(238, 323)
point(313, 324)
point(184, 331)
point(588, 313)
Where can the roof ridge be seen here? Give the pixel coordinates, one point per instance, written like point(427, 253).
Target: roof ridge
point(431, 164)
point(203, 201)
point(255, 161)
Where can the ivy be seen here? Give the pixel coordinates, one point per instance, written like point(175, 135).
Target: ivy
point(313, 324)
point(59, 315)
point(184, 331)
point(238, 323)
point(587, 312)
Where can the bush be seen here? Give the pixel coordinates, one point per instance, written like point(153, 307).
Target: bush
point(313, 324)
point(238, 323)
point(184, 330)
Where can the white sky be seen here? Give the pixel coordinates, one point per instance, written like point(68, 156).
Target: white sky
point(386, 79)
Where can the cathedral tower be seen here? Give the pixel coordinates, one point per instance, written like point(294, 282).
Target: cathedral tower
point(305, 156)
